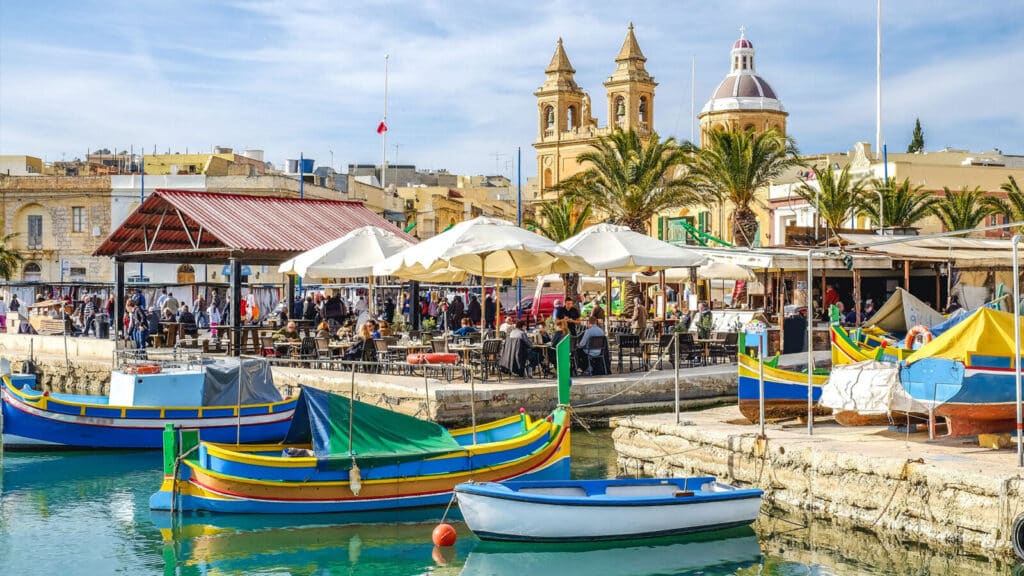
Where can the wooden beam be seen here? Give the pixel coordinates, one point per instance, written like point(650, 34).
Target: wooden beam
point(856, 295)
point(185, 228)
point(906, 275)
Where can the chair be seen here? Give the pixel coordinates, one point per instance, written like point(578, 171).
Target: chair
point(490, 356)
point(384, 355)
point(306, 349)
point(650, 332)
point(370, 356)
point(438, 346)
point(727, 349)
point(629, 344)
point(689, 350)
point(323, 350)
point(665, 345)
point(267, 346)
point(603, 363)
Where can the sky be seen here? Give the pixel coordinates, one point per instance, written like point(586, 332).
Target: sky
point(292, 76)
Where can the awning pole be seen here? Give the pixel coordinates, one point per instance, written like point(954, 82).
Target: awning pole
point(1016, 349)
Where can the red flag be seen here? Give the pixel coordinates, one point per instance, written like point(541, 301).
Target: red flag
point(382, 127)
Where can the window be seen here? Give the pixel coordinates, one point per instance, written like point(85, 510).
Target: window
point(78, 219)
point(32, 272)
point(35, 232)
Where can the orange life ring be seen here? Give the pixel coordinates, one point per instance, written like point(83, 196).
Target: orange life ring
point(143, 369)
point(921, 329)
point(433, 358)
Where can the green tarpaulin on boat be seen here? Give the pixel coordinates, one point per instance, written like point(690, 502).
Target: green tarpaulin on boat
point(379, 436)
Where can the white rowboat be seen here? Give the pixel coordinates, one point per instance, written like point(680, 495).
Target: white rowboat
point(589, 510)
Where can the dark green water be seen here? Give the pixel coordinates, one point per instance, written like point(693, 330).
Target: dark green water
point(88, 514)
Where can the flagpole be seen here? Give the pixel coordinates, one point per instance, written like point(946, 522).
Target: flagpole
point(878, 80)
point(384, 134)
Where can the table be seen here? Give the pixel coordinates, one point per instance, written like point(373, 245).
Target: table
point(707, 342)
point(545, 356)
point(171, 329)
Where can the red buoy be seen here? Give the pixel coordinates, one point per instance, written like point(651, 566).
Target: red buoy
point(444, 535)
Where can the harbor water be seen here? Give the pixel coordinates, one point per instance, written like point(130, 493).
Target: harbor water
point(87, 513)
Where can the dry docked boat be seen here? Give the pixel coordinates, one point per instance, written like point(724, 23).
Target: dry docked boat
point(341, 455)
point(590, 510)
point(143, 399)
point(785, 391)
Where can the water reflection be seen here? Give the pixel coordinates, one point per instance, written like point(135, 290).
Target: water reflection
point(708, 554)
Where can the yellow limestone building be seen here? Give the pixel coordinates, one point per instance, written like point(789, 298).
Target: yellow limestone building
point(566, 126)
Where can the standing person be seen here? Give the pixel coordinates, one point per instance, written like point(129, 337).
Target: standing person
point(639, 319)
point(309, 311)
point(138, 325)
point(474, 312)
point(213, 313)
point(490, 311)
point(139, 298)
point(456, 310)
point(88, 315)
point(567, 317)
point(3, 314)
point(389, 310)
point(202, 319)
point(161, 299)
point(15, 305)
point(831, 297)
point(170, 303)
point(597, 312)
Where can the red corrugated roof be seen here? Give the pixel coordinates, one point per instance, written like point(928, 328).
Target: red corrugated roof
point(258, 229)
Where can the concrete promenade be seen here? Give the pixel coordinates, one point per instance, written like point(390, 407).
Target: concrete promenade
point(949, 494)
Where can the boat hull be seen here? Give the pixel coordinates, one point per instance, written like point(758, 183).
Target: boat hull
point(40, 422)
point(198, 488)
point(558, 515)
point(847, 350)
point(785, 392)
point(975, 399)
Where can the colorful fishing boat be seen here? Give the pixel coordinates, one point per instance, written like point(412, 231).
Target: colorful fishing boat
point(864, 345)
point(594, 510)
point(785, 391)
point(341, 455)
point(143, 400)
point(966, 375)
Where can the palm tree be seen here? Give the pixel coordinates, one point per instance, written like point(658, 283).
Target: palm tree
point(904, 204)
point(560, 220)
point(734, 164)
point(835, 198)
point(964, 209)
point(1013, 207)
point(632, 181)
point(10, 260)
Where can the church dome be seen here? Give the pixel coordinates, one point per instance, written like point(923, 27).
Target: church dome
point(743, 88)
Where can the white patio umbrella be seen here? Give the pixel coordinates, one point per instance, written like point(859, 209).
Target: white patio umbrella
point(709, 271)
point(352, 255)
point(614, 248)
point(484, 247)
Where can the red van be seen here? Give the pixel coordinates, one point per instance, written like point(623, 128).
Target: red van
point(544, 306)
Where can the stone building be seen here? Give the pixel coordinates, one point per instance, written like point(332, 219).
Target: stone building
point(566, 126)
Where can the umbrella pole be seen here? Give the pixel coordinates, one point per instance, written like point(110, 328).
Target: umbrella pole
point(608, 296)
point(373, 300)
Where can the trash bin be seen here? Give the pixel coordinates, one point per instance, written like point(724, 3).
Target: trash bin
point(102, 327)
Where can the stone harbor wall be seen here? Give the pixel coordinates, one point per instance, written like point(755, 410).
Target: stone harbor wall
point(944, 495)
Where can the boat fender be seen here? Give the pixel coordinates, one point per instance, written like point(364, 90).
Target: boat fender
point(143, 369)
point(1017, 536)
point(355, 480)
point(921, 329)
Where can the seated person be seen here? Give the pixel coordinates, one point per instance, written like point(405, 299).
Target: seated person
point(346, 331)
point(289, 332)
point(189, 320)
point(515, 354)
point(466, 329)
point(356, 350)
point(588, 355)
point(542, 356)
point(374, 329)
point(507, 325)
point(323, 330)
point(383, 328)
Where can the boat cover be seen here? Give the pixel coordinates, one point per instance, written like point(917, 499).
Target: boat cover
point(984, 331)
point(868, 387)
point(902, 311)
point(378, 436)
point(227, 384)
